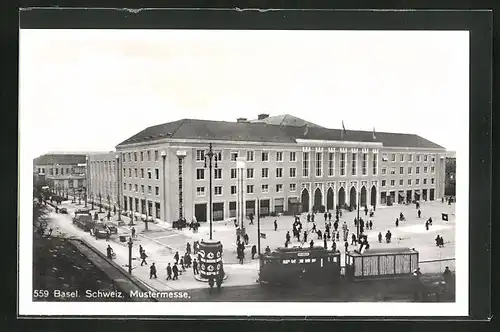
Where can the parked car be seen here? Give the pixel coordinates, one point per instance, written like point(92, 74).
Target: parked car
point(100, 230)
point(112, 228)
point(63, 210)
point(84, 221)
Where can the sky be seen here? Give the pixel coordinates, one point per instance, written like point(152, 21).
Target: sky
point(89, 90)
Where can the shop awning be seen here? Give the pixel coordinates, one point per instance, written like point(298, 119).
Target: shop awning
point(293, 200)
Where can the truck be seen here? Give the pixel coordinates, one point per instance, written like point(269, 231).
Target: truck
point(84, 221)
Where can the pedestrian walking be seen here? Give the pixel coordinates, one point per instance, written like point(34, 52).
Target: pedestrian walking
point(311, 244)
point(320, 235)
point(109, 252)
point(442, 200)
point(397, 222)
point(334, 246)
point(370, 224)
point(419, 213)
point(326, 216)
point(176, 257)
point(175, 271)
point(182, 264)
point(141, 249)
point(287, 237)
point(329, 216)
point(427, 225)
point(324, 244)
point(346, 246)
point(379, 237)
point(195, 266)
point(366, 210)
point(152, 271)
point(313, 216)
point(143, 257)
point(169, 272)
point(353, 239)
point(275, 225)
point(305, 236)
point(388, 236)
point(337, 236)
point(246, 238)
point(314, 228)
point(133, 232)
point(188, 248)
point(254, 250)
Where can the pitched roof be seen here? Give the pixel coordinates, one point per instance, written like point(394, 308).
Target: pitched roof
point(285, 120)
point(263, 132)
point(60, 159)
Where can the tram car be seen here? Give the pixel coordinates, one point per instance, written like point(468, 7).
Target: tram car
point(388, 263)
point(289, 265)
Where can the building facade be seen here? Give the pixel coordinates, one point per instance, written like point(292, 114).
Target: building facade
point(451, 174)
point(64, 173)
point(165, 171)
point(102, 179)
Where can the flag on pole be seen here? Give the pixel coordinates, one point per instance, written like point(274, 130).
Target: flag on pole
point(374, 137)
point(343, 133)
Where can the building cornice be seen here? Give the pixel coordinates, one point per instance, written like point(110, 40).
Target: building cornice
point(410, 149)
point(329, 143)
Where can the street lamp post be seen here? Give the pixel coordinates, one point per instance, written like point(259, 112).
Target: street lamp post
point(209, 157)
point(85, 197)
point(357, 225)
point(130, 243)
point(100, 202)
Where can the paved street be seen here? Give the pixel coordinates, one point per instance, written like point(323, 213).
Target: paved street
point(160, 242)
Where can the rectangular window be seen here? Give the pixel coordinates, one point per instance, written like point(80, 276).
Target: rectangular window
point(433, 169)
point(354, 163)
point(200, 155)
point(157, 190)
point(234, 173)
point(393, 170)
point(149, 174)
point(135, 156)
point(250, 173)
point(418, 158)
point(425, 181)
point(265, 188)
point(293, 172)
point(279, 172)
point(250, 189)
point(279, 188)
point(342, 164)
point(200, 191)
point(129, 187)
point(409, 170)
point(250, 155)
point(392, 183)
point(293, 187)
point(401, 182)
point(401, 157)
point(417, 170)
point(384, 157)
point(279, 156)
point(57, 171)
point(130, 172)
point(142, 188)
point(124, 172)
point(142, 173)
point(218, 155)
point(410, 158)
point(393, 157)
point(156, 155)
point(409, 182)
point(234, 156)
point(136, 188)
point(375, 164)
point(265, 156)
point(425, 158)
point(218, 173)
point(233, 190)
point(265, 173)
point(149, 189)
point(157, 174)
point(129, 157)
point(384, 171)
point(200, 174)
point(217, 190)
point(149, 155)
point(425, 169)
point(383, 183)
point(331, 164)
point(142, 156)
point(135, 171)
point(417, 182)
point(364, 164)
point(305, 164)
point(293, 156)
point(124, 186)
point(401, 170)
point(319, 164)
point(432, 180)
point(433, 158)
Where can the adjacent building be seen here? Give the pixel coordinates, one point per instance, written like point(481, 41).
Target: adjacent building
point(64, 173)
point(102, 179)
point(287, 163)
point(451, 170)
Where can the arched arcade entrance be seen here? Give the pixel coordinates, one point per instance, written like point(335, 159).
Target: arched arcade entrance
point(304, 200)
point(330, 199)
point(352, 198)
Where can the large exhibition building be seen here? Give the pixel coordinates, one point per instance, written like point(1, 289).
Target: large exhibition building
point(284, 162)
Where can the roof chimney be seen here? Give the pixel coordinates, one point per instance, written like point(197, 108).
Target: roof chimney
point(241, 120)
point(262, 116)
